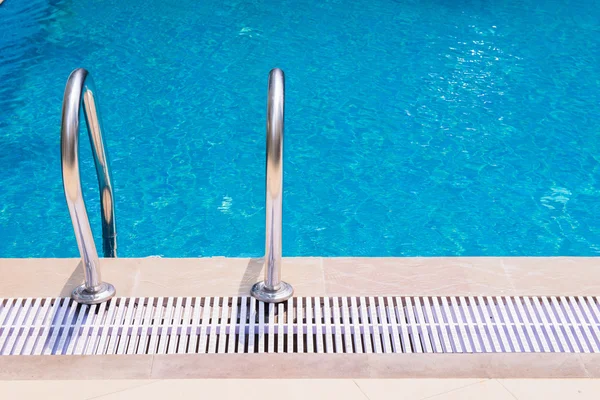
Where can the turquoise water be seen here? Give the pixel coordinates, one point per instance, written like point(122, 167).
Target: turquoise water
point(412, 127)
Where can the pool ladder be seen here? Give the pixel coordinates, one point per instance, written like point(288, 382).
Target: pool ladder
point(80, 95)
point(272, 289)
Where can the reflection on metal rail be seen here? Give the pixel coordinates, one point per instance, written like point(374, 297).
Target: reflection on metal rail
point(80, 95)
point(273, 289)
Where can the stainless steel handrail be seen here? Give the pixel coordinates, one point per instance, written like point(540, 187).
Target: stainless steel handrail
point(80, 96)
point(273, 289)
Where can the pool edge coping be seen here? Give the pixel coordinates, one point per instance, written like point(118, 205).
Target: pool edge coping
point(313, 276)
point(301, 366)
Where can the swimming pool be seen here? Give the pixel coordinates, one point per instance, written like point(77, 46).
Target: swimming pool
point(412, 127)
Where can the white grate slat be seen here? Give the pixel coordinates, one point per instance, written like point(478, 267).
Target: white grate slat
point(251, 324)
point(318, 324)
point(42, 340)
point(521, 317)
point(479, 326)
point(271, 326)
point(442, 325)
point(358, 346)
point(457, 346)
point(401, 316)
point(415, 329)
point(301, 325)
point(223, 326)
point(511, 343)
point(437, 345)
point(537, 325)
point(261, 327)
point(374, 326)
point(565, 324)
point(184, 337)
point(214, 323)
point(310, 336)
point(523, 330)
point(126, 329)
point(56, 327)
point(25, 345)
point(366, 326)
point(175, 334)
point(232, 325)
point(280, 320)
point(461, 325)
point(202, 345)
point(385, 331)
point(489, 324)
point(134, 337)
point(590, 320)
point(327, 322)
point(346, 323)
point(290, 325)
point(75, 337)
point(241, 348)
point(156, 323)
point(147, 322)
point(552, 323)
point(337, 327)
point(580, 322)
point(16, 332)
point(113, 326)
point(92, 344)
point(391, 310)
point(13, 311)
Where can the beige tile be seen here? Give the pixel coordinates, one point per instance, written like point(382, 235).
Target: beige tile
point(557, 389)
point(454, 366)
point(415, 276)
point(221, 276)
point(242, 366)
point(373, 389)
point(492, 276)
point(300, 366)
point(75, 367)
point(553, 275)
point(381, 389)
point(536, 365)
point(591, 364)
point(153, 276)
point(483, 365)
point(244, 389)
point(60, 390)
point(216, 276)
point(484, 275)
point(488, 390)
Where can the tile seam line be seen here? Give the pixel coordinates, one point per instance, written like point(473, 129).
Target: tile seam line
point(122, 390)
point(361, 390)
point(505, 388)
point(453, 390)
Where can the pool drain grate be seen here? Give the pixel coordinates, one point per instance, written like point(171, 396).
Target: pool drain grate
point(300, 325)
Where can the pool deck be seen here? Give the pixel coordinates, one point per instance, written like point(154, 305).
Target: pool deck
point(313, 276)
point(503, 276)
point(326, 389)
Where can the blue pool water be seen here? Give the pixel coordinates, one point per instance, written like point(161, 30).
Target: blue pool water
point(466, 127)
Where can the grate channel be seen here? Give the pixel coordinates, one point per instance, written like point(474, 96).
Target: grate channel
point(172, 325)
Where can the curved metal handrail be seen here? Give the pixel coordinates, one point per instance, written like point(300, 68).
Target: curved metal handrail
point(80, 96)
point(273, 289)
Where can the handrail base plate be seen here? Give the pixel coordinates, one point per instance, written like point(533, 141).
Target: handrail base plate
point(83, 296)
point(261, 293)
